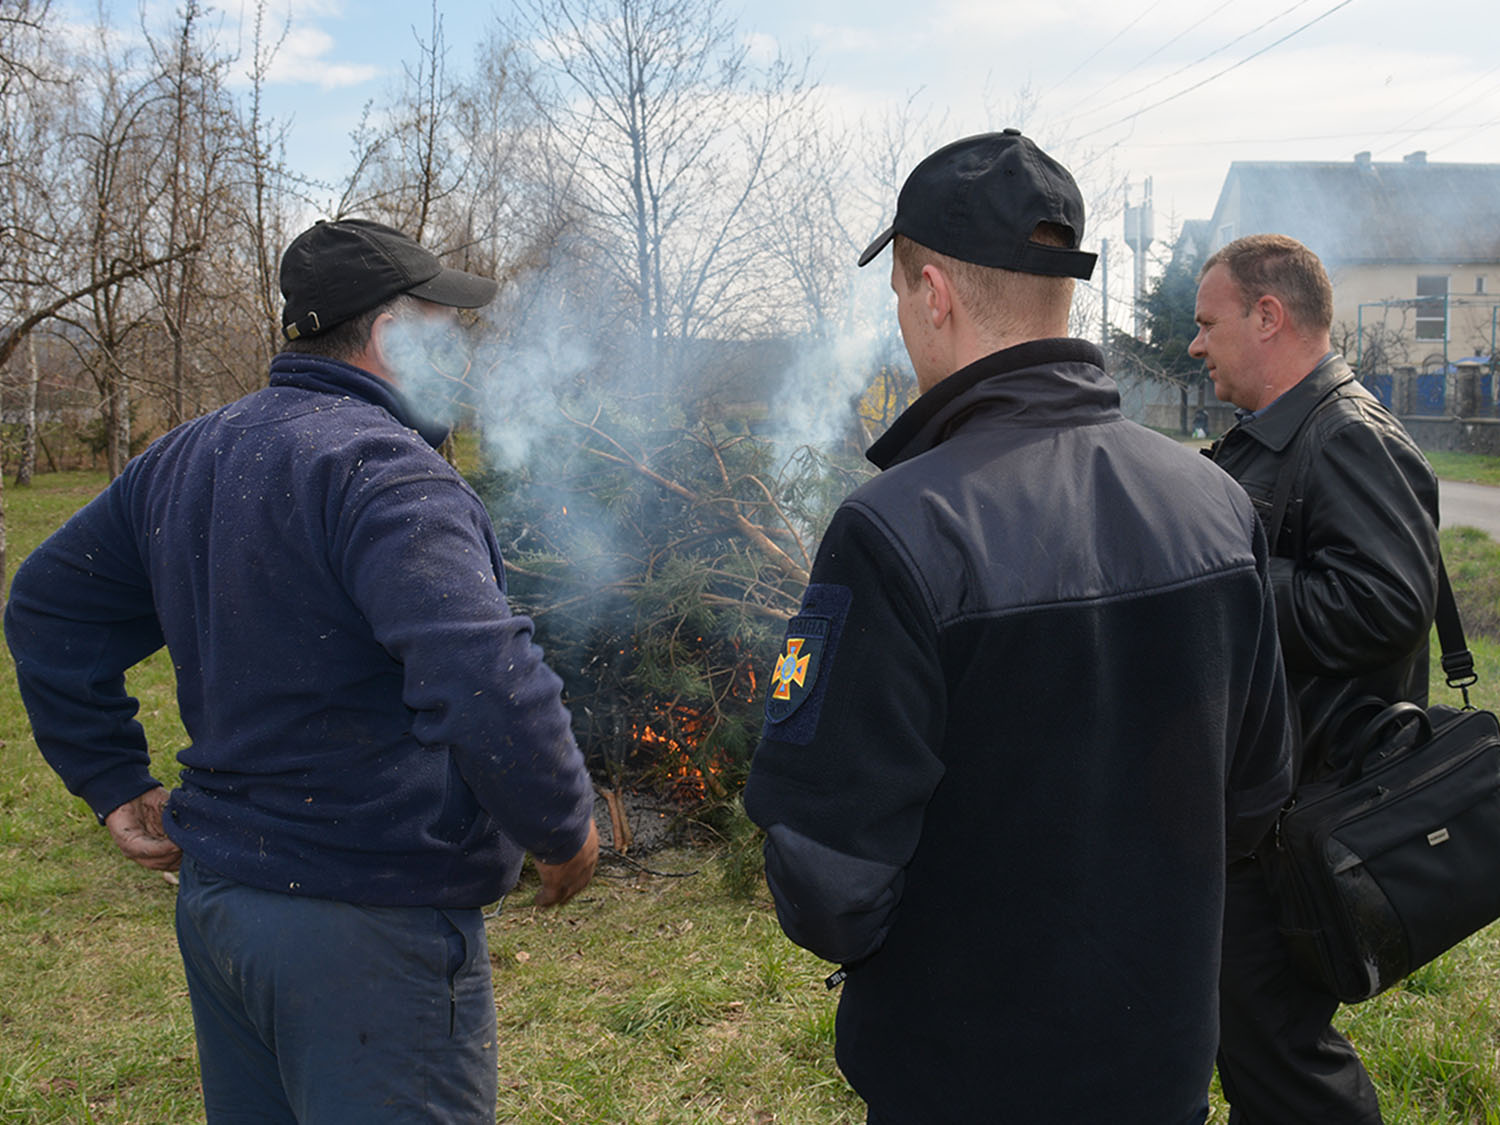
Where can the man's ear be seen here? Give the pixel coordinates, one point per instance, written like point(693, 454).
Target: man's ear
point(937, 294)
point(380, 334)
point(1270, 316)
point(375, 356)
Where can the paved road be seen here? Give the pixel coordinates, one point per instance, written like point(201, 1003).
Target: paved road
point(1470, 505)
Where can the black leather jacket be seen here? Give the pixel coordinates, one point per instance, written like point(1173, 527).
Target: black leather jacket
point(1355, 565)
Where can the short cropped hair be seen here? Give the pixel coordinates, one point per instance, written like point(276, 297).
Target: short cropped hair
point(348, 338)
point(1281, 267)
point(988, 293)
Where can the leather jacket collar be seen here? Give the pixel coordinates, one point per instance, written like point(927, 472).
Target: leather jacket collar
point(1276, 425)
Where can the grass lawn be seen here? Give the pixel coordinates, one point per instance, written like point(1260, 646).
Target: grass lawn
point(1476, 468)
point(649, 999)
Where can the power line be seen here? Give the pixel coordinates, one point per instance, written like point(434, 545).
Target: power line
point(1461, 90)
point(1406, 137)
point(1204, 58)
point(1280, 138)
point(1103, 47)
point(1094, 94)
point(1472, 132)
point(1219, 74)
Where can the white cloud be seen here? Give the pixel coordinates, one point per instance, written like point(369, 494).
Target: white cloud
point(839, 39)
point(762, 48)
point(303, 60)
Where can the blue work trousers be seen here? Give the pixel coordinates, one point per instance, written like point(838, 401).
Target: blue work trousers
point(314, 1012)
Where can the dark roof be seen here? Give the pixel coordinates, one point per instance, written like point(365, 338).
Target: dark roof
point(1363, 211)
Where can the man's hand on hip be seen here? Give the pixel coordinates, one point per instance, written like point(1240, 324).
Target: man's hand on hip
point(561, 881)
point(137, 830)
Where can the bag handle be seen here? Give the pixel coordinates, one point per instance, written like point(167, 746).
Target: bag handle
point(1369, 737)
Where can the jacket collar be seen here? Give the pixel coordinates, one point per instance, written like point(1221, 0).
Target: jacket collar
point(1032, 383)
point(332, 376)
point(1276, 425)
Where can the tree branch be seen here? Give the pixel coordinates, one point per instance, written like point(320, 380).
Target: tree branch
point(12, 339)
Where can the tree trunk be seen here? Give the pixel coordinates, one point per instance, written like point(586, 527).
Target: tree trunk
point(3, 559)
point(27, 467)
point(117, 418)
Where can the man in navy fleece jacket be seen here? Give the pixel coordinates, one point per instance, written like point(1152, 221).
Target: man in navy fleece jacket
point(375, 738)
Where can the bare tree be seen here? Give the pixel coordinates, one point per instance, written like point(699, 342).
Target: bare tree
point(201, 147)
point(808, 227)
point(28, 139)
point(21, 22)
point(411, 159)
point(263, 199)
point(517, 209)
point(670, 133)
point(20, 31)
point(118, 156)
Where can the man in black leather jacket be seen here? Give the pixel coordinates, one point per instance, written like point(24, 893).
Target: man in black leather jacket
point(1031, 703)
point(1354, 568)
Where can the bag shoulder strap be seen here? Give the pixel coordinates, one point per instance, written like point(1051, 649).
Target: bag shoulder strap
point(1298, 453)
point(1458, 661)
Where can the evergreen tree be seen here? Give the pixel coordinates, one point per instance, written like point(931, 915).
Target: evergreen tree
point(1169, 329)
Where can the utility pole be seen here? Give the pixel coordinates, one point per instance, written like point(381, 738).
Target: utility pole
point(1104, 285)
point(1140, 231)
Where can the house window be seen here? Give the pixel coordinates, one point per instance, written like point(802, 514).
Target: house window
point(1479, 284)
point(1226, 234)
point(1432, 307)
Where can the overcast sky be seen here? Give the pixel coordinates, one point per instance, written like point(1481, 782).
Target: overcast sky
point(1173, 90)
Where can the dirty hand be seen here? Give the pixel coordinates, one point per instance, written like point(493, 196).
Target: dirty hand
point(137, 830)
point(561, 881)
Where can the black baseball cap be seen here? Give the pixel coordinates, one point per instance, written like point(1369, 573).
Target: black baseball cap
point(337, 269)
point(980, 199)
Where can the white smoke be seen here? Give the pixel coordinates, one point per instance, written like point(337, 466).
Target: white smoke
point(554, 344)
point(818, 401)
point(429, 354)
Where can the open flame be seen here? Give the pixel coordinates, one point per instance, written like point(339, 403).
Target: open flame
point(674, 740)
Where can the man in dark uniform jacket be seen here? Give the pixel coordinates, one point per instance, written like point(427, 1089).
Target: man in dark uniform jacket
point(1354, 568)
point(1031, 703)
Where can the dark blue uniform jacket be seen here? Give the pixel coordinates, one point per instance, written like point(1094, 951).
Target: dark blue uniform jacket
point(1031, 705)
point(369, 721)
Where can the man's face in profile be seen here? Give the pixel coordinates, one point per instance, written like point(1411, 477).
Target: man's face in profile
point(1226, 339)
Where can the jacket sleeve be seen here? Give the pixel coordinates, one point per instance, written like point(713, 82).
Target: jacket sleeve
point(80, 614)
point(1260, 775)
point(849, 752)
point(420, 560)
point(1364, 594)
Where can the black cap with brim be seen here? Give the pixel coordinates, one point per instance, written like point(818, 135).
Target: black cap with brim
point(334, 271)
point(457, 289)
point(980, 200)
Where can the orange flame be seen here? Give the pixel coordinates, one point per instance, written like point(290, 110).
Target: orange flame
point(686, 779)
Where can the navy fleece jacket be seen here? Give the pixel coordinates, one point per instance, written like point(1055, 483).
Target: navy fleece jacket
point(369, 721)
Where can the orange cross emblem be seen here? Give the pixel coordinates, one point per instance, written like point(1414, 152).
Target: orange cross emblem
point(791, 669)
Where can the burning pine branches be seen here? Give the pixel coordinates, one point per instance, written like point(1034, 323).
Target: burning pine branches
point(661, 563)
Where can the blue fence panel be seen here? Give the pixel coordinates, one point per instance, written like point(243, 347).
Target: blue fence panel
point(1432, 394)
point(1382, 387)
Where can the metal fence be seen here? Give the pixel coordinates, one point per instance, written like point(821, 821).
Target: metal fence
point(1461, 392)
